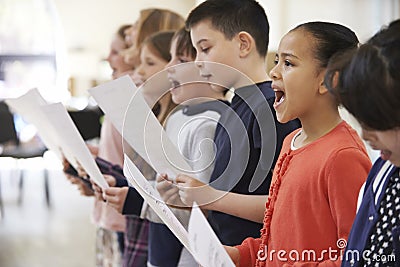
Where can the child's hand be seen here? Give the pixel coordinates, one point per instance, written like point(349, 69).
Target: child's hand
point(111, 181)
point(71, 178)
point(65, 163)
point(234, 254)
point(98, 192)
point(191, 189)
point(169, 192)
point(81, 171)
point(115, 197)
point(94, 150)
point(82, 187)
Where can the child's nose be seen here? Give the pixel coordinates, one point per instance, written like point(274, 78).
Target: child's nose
point(139, 70)
point(274, 73)
point(169, 67)
point(199, 64)
point(368, 135)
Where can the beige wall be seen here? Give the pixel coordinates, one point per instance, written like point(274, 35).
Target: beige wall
point(89, 24)
point(365, 17)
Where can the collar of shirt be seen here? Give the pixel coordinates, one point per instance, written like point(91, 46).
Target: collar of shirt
point(214, 105)
point(247, 91)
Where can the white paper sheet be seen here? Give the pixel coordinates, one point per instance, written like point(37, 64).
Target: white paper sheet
point(152, 197)
point(200, 241)
point(204, 243)
point(139, 127)
point(113, 98)
point(28, 106)
point(71, 142)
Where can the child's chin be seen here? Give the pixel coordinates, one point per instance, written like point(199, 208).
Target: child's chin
point(386, 155)
point(176, 100)
point(282, 118)
point(395, 162)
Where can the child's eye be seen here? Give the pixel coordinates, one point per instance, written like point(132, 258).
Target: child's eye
point(276, 59)
point(150, 63)
point(182, 60)
point(205, 50)
point(288, 63)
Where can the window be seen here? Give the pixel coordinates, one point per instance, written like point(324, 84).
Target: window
point(32, 50)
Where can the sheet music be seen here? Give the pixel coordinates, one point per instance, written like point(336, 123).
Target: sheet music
point(113, 98)
point(152, 197)
point(71, 142)
point(204, 243)
point(138, 126)
point(28, 106)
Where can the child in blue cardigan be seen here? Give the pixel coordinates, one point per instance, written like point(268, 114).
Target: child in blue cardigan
point(367, 83)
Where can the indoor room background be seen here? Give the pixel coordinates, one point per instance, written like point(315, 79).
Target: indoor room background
point(59, 47)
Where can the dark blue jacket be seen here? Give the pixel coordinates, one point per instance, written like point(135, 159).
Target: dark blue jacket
point(366, 219)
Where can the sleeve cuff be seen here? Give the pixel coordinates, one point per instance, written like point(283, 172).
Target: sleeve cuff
point(133, 203)
point(247, 251)
point(244, 256)
point(120, 182)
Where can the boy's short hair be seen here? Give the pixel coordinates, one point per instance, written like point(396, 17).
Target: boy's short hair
point(233, 16)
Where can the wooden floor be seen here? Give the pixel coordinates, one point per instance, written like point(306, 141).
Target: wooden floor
point(33, 235)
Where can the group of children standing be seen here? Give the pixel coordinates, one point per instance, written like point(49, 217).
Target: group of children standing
point(280, 182)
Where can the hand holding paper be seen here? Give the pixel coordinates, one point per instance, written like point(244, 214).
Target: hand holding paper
point(233, 254)
point(192, 190)
point(151, 196)
point(58, 131)
point(201, 241)
point(115, 197)
point(169, 191)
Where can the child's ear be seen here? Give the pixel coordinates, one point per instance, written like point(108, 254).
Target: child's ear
point(246, 43)
point(322, 89)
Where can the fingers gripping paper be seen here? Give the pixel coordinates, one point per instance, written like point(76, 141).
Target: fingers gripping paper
point(57, 131)
point(152, 197)
point(201, 241)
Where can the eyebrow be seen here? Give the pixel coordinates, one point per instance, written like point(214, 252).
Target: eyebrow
point(200, 41)
point(287, 55)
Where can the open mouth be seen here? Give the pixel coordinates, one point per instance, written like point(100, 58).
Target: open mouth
point(279, 96)
point(372, 146)
point(174, 83)
point(206, 76)
point(114, 71)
